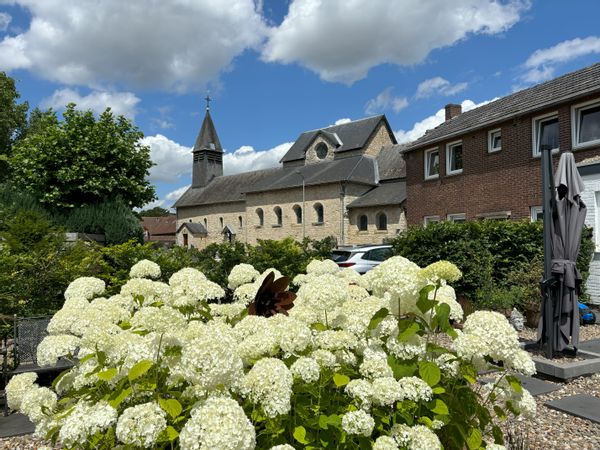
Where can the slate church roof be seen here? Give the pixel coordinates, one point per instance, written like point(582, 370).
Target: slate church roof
point(346, 136)
point(207, 138)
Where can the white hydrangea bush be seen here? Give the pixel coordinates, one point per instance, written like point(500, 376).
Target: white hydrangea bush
point(355, 364)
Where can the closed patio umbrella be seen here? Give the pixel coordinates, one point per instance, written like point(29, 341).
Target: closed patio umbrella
point(559, 324)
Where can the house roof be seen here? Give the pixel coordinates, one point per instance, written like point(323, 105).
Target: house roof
point(160, 225)
point(569, 86)
point(193, 227)
point(391, 193)
point(346, 136)
point(207, 137)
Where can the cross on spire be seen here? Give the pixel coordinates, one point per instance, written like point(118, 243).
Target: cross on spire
point(207, 98)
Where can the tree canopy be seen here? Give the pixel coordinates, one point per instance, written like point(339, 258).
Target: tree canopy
point(13, 118)
point(157, 211)
point(81, 160)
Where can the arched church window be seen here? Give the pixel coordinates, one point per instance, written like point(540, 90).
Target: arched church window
point(278, 215)
point(298, 212)
point(319, 212)
point(260, 216)
point(381, 221)
point(363, 222)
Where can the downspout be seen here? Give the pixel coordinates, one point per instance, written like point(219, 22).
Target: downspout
point(342, 212)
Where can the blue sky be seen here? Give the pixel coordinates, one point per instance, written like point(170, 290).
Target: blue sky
point(276, 68)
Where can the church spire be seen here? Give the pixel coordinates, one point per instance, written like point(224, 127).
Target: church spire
point(208, 153)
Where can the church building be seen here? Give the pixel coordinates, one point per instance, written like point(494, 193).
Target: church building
point(346, 181)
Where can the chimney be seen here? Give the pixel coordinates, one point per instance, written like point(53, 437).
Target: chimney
point(452, 110)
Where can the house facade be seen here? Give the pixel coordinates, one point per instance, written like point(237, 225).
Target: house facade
point(345, 181)
point(160, 229)
point(485, 163)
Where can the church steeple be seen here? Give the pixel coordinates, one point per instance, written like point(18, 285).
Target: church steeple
point(208, 153)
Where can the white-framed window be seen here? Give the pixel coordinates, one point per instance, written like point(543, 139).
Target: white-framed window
point(494, 140)
point(432, 163)
point(585, 124)
point(537, 213)
point(430, 219)
point(458, 217)
point(454, 158)
point(545, 133)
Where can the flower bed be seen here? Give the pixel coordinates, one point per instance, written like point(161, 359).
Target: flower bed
point(355, 364)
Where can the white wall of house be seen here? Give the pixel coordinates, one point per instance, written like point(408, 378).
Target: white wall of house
point(591, 198)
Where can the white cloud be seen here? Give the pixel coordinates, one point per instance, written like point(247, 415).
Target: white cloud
point(542, 63)
point(342, 39)
point(428, 123)
point(172, 160)
point(175, 44)
point(246, 158)
point(439, 86)
point(121, 103)
point(5, 20)
point(174, 195)
point(343, 121)
point(385, 100)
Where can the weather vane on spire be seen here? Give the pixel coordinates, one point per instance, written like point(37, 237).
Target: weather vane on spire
point(207, 98)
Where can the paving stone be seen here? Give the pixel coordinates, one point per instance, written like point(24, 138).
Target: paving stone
point(593, 345)
point(536, 386)
point(15, 425)
point(580, 405)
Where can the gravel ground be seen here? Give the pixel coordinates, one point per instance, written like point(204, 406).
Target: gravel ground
point(550, 430)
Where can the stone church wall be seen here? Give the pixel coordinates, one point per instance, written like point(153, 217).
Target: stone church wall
point(396, 222)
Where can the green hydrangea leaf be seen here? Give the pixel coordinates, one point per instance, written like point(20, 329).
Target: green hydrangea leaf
point(139, 369)
point(340, 380)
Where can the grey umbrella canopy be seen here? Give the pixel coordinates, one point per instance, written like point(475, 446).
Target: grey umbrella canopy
point(560, 311)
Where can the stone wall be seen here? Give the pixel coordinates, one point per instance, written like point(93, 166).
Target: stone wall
point(311, 154)
point(379, 139)
point(396, 222)
point(210, 216)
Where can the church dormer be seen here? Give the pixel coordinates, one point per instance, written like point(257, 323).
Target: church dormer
point(208, 153)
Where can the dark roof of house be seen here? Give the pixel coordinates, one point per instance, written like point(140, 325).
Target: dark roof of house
point(207, 138)
point(346, 136)
point(225, 189)
point(391, 163)
point(569, 86)
point(160, 225)
point(392, 193)
point(356, 169)
point(193, 227)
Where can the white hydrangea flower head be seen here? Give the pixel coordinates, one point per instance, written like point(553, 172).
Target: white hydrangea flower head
point(523, 402)
point(210, 359)
point(346, 358)
point(85, 288)
point(110, 310)
point(293, 336)
point(152, 291)
point(375, 368)
point(398, 277)
point(17, 387)
point(248, 326)
point(335, 340)
point(269, 384)
point(67, 319)
point(299, 280)
point(385, 443)
point(182, 277)
point(241, 274)
point(145, 269)
point(440, 271)
point(151, 318)
point(86, 420)
point(356, 292)
point(317, 268)
point(495, 447)
point(445, 294)
point(415, 389)
point(246, 293)
point(219, 423)
point(196, 291)
point(488, 333)
point(227, 310)
point(323, 293)
point(283, 447)
point(415, 346)
point(262, 342)
point(325, 358)
point(352, 276)
point(123, 301)
point(140, 425)
point(358, 422)
point(307, 369)
point(361, 390)
point(448, 363)
point(356, 314)
point(386, 391)
point(418, 437)
point(38, 403)
point(54, 347)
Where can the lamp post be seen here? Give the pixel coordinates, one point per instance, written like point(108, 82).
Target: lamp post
point(303, 206)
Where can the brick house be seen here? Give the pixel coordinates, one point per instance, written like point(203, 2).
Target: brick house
point(485, 163)
point(160, 229)
point(345, 181)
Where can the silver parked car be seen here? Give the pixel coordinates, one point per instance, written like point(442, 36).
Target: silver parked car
point(362, 258)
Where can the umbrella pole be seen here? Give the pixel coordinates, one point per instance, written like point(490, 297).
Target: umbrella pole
point(548, 330)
